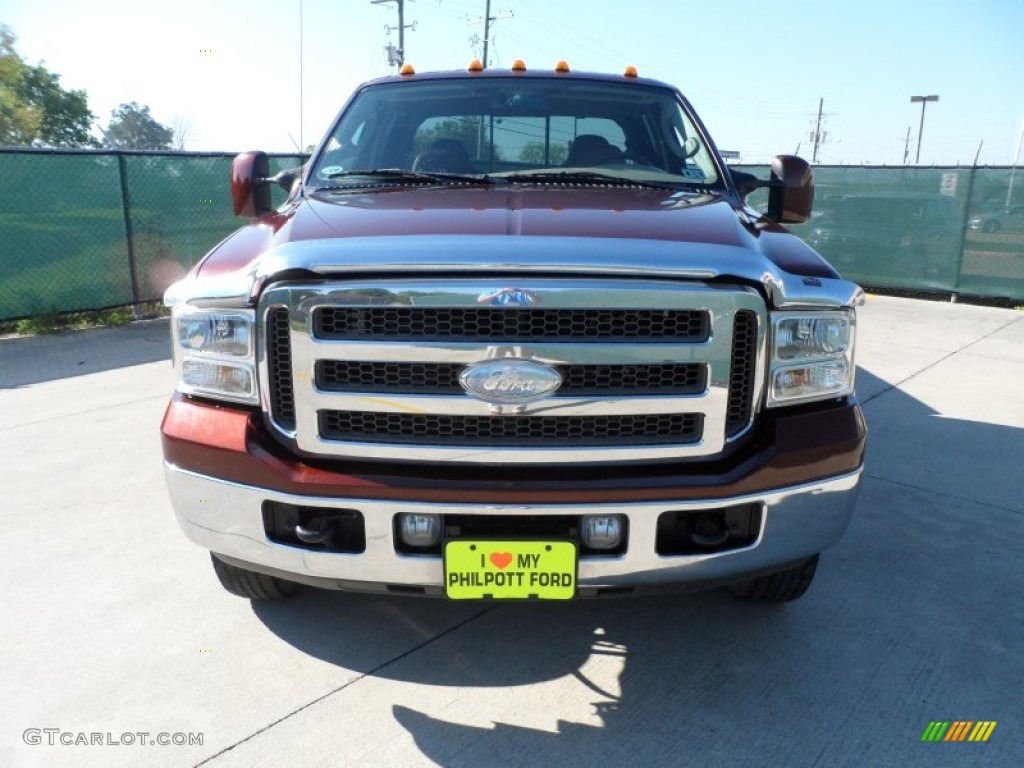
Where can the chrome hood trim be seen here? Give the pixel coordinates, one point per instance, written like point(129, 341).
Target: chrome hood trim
point(519, 255)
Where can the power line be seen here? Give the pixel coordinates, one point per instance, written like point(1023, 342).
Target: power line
point(439, 11)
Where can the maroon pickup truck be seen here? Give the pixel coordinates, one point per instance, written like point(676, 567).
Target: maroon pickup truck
point(515, 335)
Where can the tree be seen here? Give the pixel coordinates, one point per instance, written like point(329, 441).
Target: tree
point(132, 127)
point(182, 129)
point(468, 130)
point(34, 109)
point(533, 152)
point(66, 117)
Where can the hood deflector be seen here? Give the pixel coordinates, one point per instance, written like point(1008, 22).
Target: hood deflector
point(475, 255)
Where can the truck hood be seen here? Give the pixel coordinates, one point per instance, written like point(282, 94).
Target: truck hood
point(615, 212)
point(568, 229)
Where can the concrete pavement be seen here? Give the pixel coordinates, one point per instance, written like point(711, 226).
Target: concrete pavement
point(113, 623)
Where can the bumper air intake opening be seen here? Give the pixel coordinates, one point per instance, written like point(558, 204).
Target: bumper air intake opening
point(318, 528)
point(705, 531)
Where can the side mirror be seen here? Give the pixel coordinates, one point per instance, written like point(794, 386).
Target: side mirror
point(791, 190)
point(746, 182)
point(250, 187)
point(287, 179)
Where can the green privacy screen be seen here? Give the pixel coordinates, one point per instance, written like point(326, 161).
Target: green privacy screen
point(62, 243)
point(64, 230)
point(959, 230)
point(65, 219)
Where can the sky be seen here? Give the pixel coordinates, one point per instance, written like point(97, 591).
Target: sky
point(234, 71)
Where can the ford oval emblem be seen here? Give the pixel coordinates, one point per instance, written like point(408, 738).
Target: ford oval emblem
point(510, 381)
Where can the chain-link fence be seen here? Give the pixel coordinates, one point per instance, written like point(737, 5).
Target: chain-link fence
point(90, 229)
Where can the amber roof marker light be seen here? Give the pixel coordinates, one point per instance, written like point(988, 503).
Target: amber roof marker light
point(562, 66)
point(475, 66)
point(630, 71)
point(518, 65)
point(406, 70)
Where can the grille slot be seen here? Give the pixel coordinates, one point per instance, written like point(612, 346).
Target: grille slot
point(279, 365)
point(577, 380)
point(742, 369)
point(511, 324)
point(442, 429)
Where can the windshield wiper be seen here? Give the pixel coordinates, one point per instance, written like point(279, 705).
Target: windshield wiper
point(556, 177)
point(401, 175)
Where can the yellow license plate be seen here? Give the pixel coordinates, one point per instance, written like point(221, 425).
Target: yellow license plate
point(515, 570)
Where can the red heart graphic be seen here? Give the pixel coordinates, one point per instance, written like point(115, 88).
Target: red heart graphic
point(501, 559)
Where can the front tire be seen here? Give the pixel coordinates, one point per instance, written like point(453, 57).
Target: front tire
point(781, 587)
point(250, 584)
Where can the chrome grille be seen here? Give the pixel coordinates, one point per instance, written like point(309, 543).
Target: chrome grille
point(651, 369)
point(443, 378)
point(510, 324)
point(371, 426)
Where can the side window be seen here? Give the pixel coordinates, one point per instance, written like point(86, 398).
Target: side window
point(357, 134)
point(600, 126)
point(519, 139)
point(464, 128)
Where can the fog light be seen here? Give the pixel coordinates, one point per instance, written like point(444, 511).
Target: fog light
point(419, 530)
point(601, 531)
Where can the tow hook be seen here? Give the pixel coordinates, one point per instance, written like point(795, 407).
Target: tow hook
point(709, 533)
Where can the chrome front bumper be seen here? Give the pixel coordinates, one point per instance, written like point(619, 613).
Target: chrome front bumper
point(226, 518)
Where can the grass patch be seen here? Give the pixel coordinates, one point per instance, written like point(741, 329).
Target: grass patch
point(80, 322)
point(55, 322)
point(48, 322)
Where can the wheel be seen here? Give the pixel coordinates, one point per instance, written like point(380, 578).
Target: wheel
point(255, 586)
point(780, 587)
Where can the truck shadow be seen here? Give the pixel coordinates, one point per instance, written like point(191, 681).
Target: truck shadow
point(698, 674)
point(30, 360)
point(682, 642)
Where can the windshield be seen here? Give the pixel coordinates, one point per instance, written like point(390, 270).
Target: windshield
point(523, 129)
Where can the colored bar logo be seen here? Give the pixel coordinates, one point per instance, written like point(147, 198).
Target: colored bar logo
point(958, 730)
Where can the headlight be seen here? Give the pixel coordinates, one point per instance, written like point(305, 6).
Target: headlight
point(214, 355)
point(812, 356)
point(216, 333)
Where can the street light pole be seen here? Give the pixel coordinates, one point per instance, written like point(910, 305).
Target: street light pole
point(920, 131)
point(302, 147)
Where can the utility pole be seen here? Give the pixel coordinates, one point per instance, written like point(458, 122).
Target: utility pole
point(486, 21)
point(396, 56)
point(817, 131)
point(920, 131)
point(487, 29)
point(906, 147)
